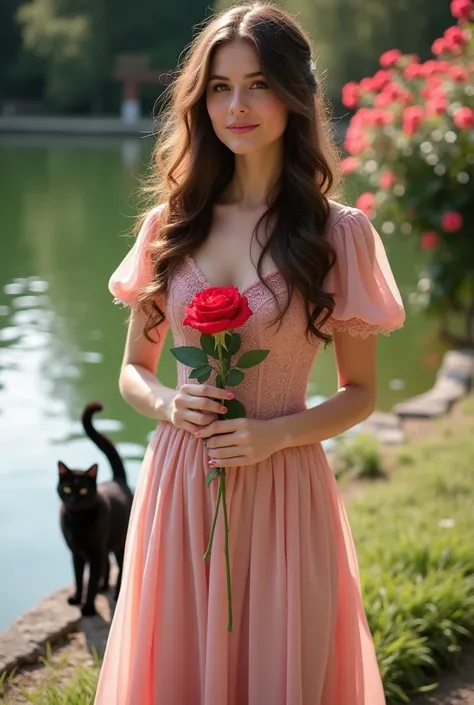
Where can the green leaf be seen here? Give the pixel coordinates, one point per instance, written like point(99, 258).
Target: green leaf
point(202, 373)
point(252, 358)
point(235, 409)
point(234, 343)
point(208, 344)
point(190, 356)
point(234, 377)
point(212, 475)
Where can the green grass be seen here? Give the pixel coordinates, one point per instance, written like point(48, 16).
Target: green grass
point(80, 690)
point(414, 535)
point(360, 457)
point(415, 541)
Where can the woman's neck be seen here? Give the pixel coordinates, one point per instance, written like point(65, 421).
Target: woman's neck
point(254, 177)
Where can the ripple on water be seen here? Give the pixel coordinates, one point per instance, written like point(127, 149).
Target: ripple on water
point(94, 358)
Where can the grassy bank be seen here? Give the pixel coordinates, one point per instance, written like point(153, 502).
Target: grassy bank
point(414, 536)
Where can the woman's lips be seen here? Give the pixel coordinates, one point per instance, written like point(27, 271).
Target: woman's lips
point(241, 129)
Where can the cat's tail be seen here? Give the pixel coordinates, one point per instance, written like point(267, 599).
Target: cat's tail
point(102, 442)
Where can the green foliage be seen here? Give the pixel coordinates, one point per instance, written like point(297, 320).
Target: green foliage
point(359, 457)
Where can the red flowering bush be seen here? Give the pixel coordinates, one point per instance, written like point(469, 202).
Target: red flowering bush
point(411, 143)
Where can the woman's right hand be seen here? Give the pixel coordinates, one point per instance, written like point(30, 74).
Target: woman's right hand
point(195, 405)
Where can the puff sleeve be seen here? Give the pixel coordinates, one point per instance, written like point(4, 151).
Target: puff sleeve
point(367, 299)
point(135, 270)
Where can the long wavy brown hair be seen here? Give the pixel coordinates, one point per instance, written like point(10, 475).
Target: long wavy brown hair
point(191, 166)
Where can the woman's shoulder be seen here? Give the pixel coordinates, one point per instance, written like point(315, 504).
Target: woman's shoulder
point(341, 213)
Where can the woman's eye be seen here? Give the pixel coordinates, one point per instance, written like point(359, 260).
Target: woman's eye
point(219, 87)
point(259, 84)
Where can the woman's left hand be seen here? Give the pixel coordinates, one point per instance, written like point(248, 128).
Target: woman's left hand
point(232, 442)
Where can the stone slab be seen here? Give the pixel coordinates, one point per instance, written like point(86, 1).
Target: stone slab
point(49, 621)
point(386, 427)
point(453, 381)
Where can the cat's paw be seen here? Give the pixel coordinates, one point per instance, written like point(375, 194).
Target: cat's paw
point(74, 600)
point(88, 610)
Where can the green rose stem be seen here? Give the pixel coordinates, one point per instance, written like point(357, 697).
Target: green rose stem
point(221, 495)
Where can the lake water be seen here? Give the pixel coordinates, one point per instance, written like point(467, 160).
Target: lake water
point(65, 204)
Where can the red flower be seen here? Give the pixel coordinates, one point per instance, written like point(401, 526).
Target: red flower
point(380, 79)
point(367, 85)
point(451, 221)
point(439, 46)
point(413, 71)
point(458, 73)
point(464, 118)
point(349, 165)
point(462, 9)
point(455, 39)
point(387, 179)
point(350, 94)
point(412, 118)
point(390, 58)
point(429, 240)
point(365, 202)
point(216, 309)
point(437, 105)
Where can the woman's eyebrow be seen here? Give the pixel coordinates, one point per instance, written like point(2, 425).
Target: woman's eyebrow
point(215, 76)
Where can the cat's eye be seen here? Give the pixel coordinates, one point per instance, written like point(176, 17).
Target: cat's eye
point(67, 490)
point(83, 490)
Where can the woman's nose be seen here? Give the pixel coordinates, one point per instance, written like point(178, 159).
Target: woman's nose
point(238, 104)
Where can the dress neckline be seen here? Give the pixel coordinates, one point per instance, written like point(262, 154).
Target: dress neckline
point(269, 275)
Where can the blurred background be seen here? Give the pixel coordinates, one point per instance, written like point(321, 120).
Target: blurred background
point(79, 83)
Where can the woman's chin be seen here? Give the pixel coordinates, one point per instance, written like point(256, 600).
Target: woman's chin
point(242, 146)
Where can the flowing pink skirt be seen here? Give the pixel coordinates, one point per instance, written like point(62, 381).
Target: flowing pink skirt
point(300, 634)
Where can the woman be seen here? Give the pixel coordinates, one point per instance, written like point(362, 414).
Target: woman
point(245, 178)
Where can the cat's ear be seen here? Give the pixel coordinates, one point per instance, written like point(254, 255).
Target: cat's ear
point(63, 469)
point(92, 472)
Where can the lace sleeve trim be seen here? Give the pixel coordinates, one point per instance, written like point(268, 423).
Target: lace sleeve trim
point(358, 327)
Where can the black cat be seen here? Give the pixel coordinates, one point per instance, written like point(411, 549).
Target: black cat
point(94, 517)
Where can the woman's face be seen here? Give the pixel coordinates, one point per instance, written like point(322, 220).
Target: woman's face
point(245, 113)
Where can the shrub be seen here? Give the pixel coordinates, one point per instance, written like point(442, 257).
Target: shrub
point(411, 145)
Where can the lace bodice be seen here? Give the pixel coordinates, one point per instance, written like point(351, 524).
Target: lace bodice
point(366, 295)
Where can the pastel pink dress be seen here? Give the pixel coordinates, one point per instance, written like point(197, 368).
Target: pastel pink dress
point(300, 633)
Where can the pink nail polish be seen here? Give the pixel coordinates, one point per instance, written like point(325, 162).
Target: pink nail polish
point(230, 395)
point(198, 434)
point(212, 462)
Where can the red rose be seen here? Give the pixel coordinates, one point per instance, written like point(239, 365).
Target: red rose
point(429, 240)
point(412, 118)
point(366, 202)
point(458, 73)
point(437, 105)
point(216, 309)
point(451, 221)
point(455, 39)
point(462, 9)
point(387, 179)
point(390, 58)
point(413, 71)
point(349, 164)
point(350, 94)
point(439, 46)
point(464, 118)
